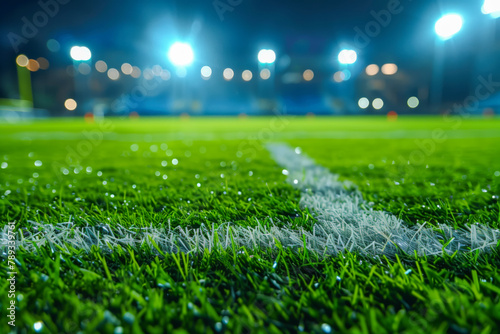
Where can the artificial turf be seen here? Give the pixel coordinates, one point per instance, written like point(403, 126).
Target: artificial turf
point(188, 172)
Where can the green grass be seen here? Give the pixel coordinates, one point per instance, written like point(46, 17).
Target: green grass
point(455, 180)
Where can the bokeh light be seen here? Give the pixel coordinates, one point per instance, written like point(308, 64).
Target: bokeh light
point(206, 72)
point(247, 75)
point(180, 54)
point(22, 60)
point(80, 53)
point(347, 75)
point(126, 68)
point(389, 69)
point(101, 66)
point(372, 69)
point(308, 75)
point(33, 65)
point(84, 68)
point(392, 116)
point(53, 45)
point(113, 74)
point(165, 75)
point(338, 76)
point(228, 74)
point(148, 74)
point(43, 62)
point(70, 104)
point(413, 102)
point(157, 70)
point(363, 103)
point(136, 72)
point(265, 74)
point(491, 7)
point(378, 104)
point(449, 25)
point(266, 56)
point(347, 56)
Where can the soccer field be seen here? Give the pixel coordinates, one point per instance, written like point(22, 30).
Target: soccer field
point(269, 225)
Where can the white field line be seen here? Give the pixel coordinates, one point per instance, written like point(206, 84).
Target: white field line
point(344, 222)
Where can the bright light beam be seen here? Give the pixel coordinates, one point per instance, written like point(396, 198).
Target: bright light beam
point(266, 56)
point(180, 54)
point(348, 56)
point(80, 53)
point(491, 7)
point(449, 25)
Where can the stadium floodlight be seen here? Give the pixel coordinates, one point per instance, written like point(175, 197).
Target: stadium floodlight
point(348, 56)
point(266, 56)
point(491, 7)
point(180, 54)
point(80, 53)
point(449, 25)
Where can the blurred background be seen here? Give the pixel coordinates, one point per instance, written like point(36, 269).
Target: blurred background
point(239, 57)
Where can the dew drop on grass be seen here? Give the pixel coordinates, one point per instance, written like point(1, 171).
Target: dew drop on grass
point(285, 172)
point(275, 264)
point(326, 328)
point(134, 147)
point(222, 176)
point(65, 171)
point(31, 154)
point(298, 150)
point(250, 173)
point(218, 326)
point(157, 173)
point(104, 183)
point(164, 163)
point(128, 318)
point(408, 272)
point(38, 326)
point(339, 279)
point(118, 330)
point(198, 185)
point(4, 165)
point(99, 173)
point(300, 328)
point(175, 162)
point(225, 320)
point(154, 148)
point(165, 176)
point(497, 173)
point(295, 181)
point(371, 166)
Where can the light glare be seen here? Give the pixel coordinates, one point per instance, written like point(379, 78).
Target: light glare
point(447, 26)
point(266, 56)
point(80, 53)
point(348, 56)
point(181, 54)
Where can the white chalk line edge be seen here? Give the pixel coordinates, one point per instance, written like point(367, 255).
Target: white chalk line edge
point(344, 223)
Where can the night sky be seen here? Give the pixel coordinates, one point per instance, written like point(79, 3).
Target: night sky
point(145, 29)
